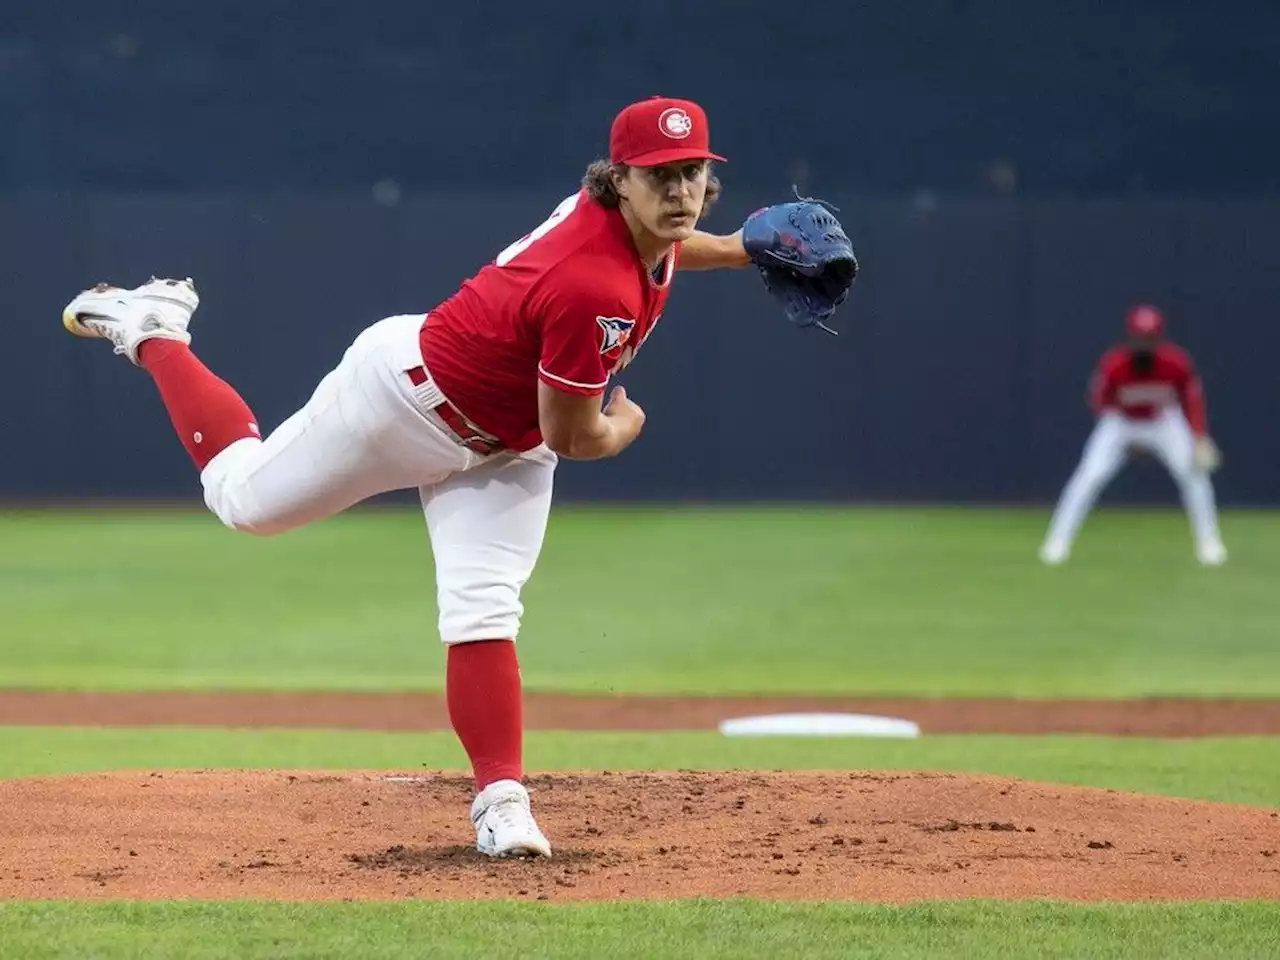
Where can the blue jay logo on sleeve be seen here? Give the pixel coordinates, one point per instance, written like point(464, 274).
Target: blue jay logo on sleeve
point(614, 332)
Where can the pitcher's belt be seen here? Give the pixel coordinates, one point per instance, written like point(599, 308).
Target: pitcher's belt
point(435, 403)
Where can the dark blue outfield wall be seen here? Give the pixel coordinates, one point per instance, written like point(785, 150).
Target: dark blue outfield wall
point(959, 374)
point(1166, 97)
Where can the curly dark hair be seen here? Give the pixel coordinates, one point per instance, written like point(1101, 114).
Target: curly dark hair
point(599, 183)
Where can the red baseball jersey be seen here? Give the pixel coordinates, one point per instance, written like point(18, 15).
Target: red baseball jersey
point(568, 304)
point(1119, 384)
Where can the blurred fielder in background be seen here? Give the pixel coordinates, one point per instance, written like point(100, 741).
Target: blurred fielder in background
point(1148, 398)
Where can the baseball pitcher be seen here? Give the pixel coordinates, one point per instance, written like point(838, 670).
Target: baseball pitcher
point(474, 402)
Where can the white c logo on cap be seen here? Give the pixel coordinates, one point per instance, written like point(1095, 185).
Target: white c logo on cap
point(675, 123)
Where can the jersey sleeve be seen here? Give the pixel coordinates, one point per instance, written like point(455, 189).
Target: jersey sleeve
point(1191, 395)
point(1102, 388)
point(573, 324)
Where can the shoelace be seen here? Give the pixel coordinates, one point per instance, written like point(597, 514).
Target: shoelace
point(513, 814)
point(107, 329)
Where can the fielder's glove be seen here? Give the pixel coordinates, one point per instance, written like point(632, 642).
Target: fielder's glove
point(1206, 455)
point(804, 256)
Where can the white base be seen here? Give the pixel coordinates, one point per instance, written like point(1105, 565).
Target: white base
point(819, 725)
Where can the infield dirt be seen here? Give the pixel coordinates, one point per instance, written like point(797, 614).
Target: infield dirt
point(814, 836)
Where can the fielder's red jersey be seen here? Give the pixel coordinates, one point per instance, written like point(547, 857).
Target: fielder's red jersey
point(1121, 385)
point(568, 304)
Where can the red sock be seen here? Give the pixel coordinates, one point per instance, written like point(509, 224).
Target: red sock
point(206, 411)
point(483, 691)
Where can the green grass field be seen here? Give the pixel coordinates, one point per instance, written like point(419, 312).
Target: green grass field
point(730, 930)
point(915, 602)
point(901, 602)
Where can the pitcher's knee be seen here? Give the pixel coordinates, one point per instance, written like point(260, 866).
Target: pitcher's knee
point(480, 613)
point(229, 495)
point(238, 512)
point(255, 526)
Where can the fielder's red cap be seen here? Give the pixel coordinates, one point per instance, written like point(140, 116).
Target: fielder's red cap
point(1144, 320)
point(660, 130)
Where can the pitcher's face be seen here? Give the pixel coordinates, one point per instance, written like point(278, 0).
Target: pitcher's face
point(666, 199)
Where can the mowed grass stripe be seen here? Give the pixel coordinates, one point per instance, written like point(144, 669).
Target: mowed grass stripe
point(777, 600)
point(705, 929)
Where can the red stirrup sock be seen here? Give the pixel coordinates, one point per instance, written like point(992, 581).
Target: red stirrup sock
point(206, 411)
point(485, 707)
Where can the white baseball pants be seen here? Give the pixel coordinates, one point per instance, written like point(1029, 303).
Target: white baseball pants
point(363, 433)
point(1169, 438)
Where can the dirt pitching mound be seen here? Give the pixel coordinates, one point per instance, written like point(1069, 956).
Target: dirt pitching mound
point(854, 836)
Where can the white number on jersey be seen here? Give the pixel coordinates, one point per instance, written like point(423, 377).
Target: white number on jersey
point(565, 208)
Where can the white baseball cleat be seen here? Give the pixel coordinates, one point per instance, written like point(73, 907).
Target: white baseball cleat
point(1053, 554)
point(504, 824)
point(159, 309)
point(1212, 554)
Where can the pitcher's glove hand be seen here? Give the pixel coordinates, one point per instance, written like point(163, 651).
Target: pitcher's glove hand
point(804, 256)
point(1206, 455)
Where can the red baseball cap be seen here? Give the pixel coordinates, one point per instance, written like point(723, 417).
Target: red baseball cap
point(660, 130)
point(1144, 320)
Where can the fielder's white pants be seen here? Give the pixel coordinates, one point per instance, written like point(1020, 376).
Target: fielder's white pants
point(363, 433)
point(1169, 438)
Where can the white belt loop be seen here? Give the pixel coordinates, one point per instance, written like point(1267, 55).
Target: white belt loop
point(428, 395)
